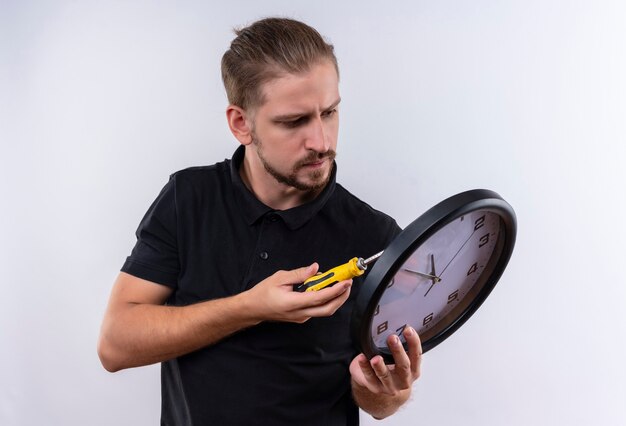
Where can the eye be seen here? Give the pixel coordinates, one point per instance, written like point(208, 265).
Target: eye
point(329, 113)
point(295, 123)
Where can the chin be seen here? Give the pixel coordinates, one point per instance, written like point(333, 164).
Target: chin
point(316, 183)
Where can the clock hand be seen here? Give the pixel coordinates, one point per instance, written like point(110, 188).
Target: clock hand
point(459, 251)
point(421, 274)
point(432, 271)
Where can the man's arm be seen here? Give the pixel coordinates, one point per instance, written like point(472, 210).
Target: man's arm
point(139, 330)
point(381, 389)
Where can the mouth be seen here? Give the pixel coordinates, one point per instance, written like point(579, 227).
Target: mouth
point(316, 164)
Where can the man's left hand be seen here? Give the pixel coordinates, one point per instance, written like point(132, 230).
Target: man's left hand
point(388, 386)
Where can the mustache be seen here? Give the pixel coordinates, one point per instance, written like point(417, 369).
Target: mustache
point(315, 157)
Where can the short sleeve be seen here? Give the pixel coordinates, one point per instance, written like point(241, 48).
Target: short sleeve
point(155, 255)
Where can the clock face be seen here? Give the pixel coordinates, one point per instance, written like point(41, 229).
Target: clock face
point(436, 273)
point(439, 279)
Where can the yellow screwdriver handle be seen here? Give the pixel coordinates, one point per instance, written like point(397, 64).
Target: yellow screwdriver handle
point(346, 271)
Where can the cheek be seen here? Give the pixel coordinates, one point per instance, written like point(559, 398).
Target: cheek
point(286, 148)
point(278, 142)
point(332, 130)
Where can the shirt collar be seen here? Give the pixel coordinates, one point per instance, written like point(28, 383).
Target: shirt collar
point(253, 209)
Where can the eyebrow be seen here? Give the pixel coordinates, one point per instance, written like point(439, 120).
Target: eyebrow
point(289, 117)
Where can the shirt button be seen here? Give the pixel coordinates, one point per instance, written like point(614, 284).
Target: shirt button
point(263, 255)
point(272, 217)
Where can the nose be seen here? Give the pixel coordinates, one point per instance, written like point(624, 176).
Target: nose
point(316, 139)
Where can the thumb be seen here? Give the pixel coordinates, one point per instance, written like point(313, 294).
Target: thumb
point(301, 274)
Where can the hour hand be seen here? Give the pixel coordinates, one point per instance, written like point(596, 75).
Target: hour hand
point(436, 279)
point(432, 265)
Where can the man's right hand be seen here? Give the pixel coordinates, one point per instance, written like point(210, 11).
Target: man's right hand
point(273, 299)
point(138, 329)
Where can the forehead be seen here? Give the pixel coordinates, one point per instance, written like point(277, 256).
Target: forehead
point(314, 89)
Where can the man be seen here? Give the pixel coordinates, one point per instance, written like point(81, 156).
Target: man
point(208, 288)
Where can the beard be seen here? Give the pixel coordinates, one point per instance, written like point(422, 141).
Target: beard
point(318, 179)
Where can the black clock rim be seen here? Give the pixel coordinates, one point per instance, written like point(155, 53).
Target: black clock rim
point(405, 244)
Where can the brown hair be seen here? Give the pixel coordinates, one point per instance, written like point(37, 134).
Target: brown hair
point(265, 50)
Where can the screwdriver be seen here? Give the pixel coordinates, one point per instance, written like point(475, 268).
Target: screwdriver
point(353, 268)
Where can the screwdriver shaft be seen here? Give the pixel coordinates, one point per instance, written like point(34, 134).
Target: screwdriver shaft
point(373, 258)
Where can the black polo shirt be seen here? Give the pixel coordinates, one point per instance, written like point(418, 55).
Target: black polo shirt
point(206, 236)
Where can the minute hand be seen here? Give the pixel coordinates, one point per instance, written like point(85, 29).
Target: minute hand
point(457, 253)
point(421, 274)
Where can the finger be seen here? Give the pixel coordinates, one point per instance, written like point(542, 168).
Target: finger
point(414, 345)
point(383, 374)
point(297, 276)
point(371, 380)
point(401, 360)
point(323, 306)
point(327, 294)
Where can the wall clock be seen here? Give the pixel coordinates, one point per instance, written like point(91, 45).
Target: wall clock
point(436, 273)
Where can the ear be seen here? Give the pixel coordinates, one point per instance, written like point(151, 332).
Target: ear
point(240, 124)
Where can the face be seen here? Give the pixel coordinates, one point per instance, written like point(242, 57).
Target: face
point(294, 131)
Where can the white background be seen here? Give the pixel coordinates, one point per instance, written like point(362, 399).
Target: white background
point(101, 101)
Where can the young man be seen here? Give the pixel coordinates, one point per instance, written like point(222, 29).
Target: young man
point(208, 288)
